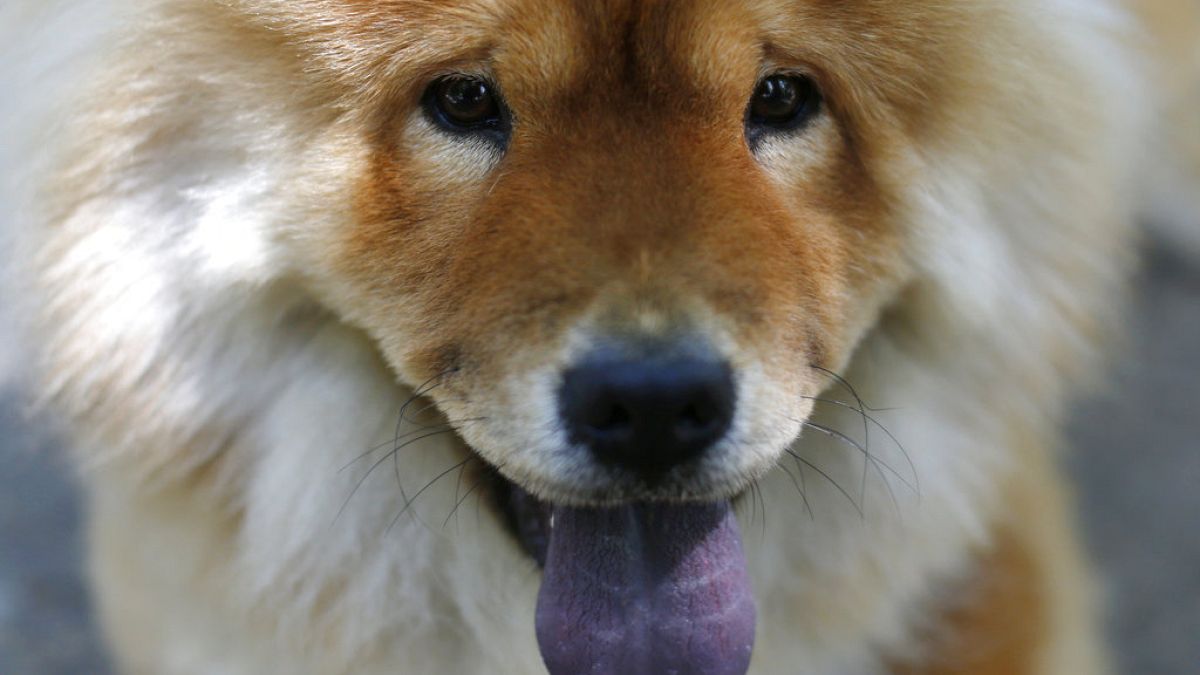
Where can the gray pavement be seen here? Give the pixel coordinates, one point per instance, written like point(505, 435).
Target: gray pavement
point(45, 622)
point(1137, 461)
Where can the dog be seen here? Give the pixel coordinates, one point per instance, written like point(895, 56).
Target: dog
point(618, 336)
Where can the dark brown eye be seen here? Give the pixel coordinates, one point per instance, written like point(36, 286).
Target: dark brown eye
point(782, 103)
point(464, 104)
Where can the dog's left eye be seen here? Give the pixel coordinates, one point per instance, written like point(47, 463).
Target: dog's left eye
point(782, 102)
point(463, 103)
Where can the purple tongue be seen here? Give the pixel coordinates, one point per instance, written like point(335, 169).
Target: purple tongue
point(646, 589)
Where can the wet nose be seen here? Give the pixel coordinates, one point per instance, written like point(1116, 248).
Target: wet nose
point(647, 411)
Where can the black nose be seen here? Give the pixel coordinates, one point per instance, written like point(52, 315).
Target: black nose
point(647, 413)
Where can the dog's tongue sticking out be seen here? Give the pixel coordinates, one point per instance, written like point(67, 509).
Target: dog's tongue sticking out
point(646, 589)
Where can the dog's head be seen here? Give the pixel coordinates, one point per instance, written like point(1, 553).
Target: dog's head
point(623, 246)
point(622, 243)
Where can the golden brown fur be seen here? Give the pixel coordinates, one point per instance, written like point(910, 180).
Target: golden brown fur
point(251, 248)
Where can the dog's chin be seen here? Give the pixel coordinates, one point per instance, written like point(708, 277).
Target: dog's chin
point(639, 586)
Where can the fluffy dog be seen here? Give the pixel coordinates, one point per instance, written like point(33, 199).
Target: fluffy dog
point(617, 336)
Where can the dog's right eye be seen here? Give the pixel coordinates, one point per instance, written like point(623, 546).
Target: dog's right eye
point(465, 104)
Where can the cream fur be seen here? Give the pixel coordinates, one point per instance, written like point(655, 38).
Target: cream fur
point(171, 326)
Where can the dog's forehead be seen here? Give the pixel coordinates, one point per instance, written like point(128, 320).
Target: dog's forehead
point(887, 51)
point(557, 45)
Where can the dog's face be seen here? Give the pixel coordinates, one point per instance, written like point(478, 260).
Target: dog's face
point(571, 212)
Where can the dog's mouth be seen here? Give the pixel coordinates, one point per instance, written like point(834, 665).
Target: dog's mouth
point(637, 588)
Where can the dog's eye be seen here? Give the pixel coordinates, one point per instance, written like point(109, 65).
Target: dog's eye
point(462, 103)
point(781, 103)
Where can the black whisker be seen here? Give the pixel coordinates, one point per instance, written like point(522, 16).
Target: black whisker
point(753, 504)
point(459, 502)
point(377, 448)
point(850, 388)
point(877, 462)
point(762, 500)
point(867, 457)
point(423, 390)
point(428, 485)
point(422, 429)
point(457, 486)
point(803, 497)
point(383, 459)
point(413, 415)
point(907, 458)
point(866, 446)
point(827, 477)
point(396, 465)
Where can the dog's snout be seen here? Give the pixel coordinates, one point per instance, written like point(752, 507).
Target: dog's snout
point(647, 413)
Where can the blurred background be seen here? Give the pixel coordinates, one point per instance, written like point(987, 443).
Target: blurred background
point(1135, 458)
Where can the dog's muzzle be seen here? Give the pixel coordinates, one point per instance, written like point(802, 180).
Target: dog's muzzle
point(649, 587)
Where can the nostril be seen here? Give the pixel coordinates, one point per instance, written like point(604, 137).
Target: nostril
point(610, 418)
point(697, 420)
point(692, 415)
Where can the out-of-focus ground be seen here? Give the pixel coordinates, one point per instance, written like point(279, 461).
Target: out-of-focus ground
point(1136, 459)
